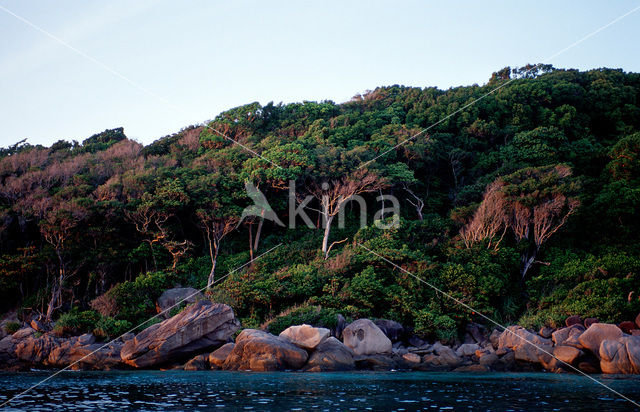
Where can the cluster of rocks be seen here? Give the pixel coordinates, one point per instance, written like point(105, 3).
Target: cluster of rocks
point(201, 337)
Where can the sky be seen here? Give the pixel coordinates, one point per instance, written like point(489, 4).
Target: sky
point(156, 66)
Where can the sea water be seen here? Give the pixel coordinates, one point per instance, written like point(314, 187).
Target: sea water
point(299, 391)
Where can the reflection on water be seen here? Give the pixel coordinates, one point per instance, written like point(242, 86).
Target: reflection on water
point(391, 391)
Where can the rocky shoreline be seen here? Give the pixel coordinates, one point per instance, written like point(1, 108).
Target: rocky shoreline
point(201, 337)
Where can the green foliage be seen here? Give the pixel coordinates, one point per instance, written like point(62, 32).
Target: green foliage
point(136, 299)
point(11, 327)
point(130, 221)
point(602, 286)
point(108, 328)
point(77, 322)
point(432, 325)
point(310, 315)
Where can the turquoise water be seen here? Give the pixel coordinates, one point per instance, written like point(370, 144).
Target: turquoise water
point(388, 391)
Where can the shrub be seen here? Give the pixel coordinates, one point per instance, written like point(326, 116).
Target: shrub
point(311, 315)
point(110, 328)
point(76, 322)
point(12, 327)
point(430, 324)
point(136, 299)
point(105, 305)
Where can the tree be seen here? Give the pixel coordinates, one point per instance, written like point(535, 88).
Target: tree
point(333, 196)
point(148, 221)
point(215, 227)
point(56, 228)
point(217, 213)
point(490, 218)
point(534, 202)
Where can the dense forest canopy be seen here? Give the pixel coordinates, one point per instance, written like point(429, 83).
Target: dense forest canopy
point(523, 205)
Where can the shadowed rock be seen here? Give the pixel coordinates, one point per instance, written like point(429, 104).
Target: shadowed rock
point(200, 327)
point(170, 297)
point(220, 355)
point(567, 354)
point(442, 357)
point(198, 363)
point(331, 355)
point(83, 354)
point(598, 332)
point(392, 329)
point(527, 346)
point(621, 355)
point(568, 336)
point(467, 349)
point(257, 350)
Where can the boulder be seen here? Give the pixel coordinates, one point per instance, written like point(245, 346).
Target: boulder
point(442, 357)
point(415, 341)
point(341, 323)
point(365, 338)
point(23, 333)
point(86, 339)
point(589, 366)
point(467, 349)
point(546, 332)
point(484, 351)
point(412, 357)
point(506, 362)
point(528, 346)
point(621, 355)
point(391, 328)
point(568, 336)
point(567, 354)
point(219, 356)
point(305, 336)
point(488, 359)
point(422, 350)
point(590, 321)
point(598, 332)
point(36, 350)
point(257, 350)
point(376, 362)
point(198, 363)
point(494, 338)
point(200, 327)
point(635, 332)
point(331, 355)
point(472, 368)
point(8, 359)
point(573, 320)
point(170, 298)
point(476, 331)
point(86, 356)
point(627, 326)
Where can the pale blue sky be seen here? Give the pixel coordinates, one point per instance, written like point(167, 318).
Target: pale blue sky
point(208, 56)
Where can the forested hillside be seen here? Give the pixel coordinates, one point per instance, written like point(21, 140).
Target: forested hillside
point(523, 205)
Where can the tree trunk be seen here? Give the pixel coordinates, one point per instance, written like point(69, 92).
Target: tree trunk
point(56, 289)
point(153, 256)
point(212, 274)
point(251, 241)
point(325, 239)
point(527, 261)
point(258, 232)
